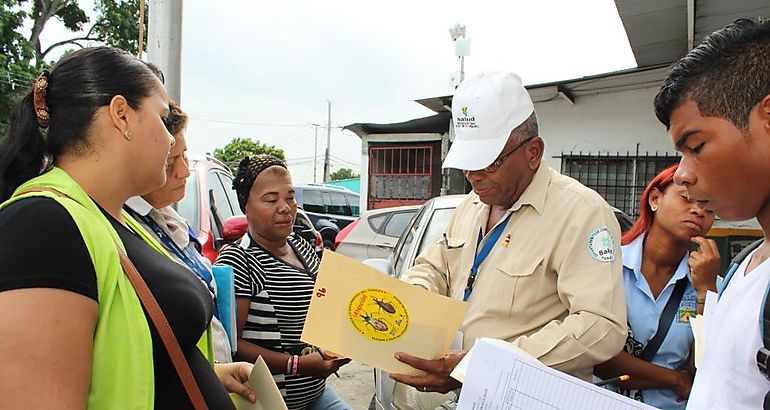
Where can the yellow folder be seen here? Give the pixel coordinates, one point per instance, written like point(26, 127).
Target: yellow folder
point(361, 313)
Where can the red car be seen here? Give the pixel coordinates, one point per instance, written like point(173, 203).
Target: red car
point(210, 206)
point(208, 202)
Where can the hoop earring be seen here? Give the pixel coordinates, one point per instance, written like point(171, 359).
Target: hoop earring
point(127, 135)
point(654, 207)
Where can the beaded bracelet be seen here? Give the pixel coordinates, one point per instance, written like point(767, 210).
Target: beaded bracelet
point(700, 301)
point(295, 365)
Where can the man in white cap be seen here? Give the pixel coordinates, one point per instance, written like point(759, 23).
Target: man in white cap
point(534, 253)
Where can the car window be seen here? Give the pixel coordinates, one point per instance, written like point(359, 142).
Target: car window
point(336, 204)
point(376, 222)
point(188, 206)
point(405, 242)
point(397, 223)
point(303, 221)
point(232, 196)
point(354, 203)
point(311, 201)
point(436, 226)
point(220, 205)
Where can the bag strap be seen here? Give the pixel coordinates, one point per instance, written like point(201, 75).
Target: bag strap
point(664, 324)
point(164, 330)
point(735, 263)
point(156, 316)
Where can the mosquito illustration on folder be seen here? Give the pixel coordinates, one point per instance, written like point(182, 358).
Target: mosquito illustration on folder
point(386, 306)
point(376, 323)
point(378, 315)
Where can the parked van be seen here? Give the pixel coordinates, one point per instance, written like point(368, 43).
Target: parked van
point(329, 207)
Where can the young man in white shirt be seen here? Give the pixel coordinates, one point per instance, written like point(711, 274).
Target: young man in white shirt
point(715, 103)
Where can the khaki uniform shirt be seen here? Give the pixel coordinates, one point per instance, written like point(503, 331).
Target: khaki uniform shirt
point(551, 285)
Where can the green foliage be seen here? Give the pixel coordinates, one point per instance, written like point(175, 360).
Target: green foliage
point(118, 24)
point(15, 52)
point(72, 16)
point(343, 173)
point(239, 148)
point(22, 58)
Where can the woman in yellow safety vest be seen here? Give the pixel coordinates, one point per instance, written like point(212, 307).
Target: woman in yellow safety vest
point(88, 136)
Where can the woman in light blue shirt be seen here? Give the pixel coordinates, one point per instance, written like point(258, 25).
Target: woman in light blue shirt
point(665, 286)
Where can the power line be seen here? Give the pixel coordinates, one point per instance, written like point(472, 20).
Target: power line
point(241, 82)
point(343, 165)
point(20, 75)
point(256, 124)
point(344, 160)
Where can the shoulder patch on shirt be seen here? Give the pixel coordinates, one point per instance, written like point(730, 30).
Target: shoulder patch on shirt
point(601, 246)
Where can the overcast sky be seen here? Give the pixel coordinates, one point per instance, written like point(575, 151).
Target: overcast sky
point(265, 70)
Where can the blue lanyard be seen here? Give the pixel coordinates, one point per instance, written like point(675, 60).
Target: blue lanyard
point(186, 255)
point(483, 253)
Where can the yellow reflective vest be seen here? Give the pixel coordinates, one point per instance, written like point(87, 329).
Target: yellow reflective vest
point(122, 374)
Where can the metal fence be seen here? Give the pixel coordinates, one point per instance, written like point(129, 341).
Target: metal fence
point(619, 178)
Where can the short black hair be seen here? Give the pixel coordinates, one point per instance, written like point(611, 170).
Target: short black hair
point(527, 129)
point(727, 75)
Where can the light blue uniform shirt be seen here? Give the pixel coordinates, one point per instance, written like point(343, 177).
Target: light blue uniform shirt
point(644, 314)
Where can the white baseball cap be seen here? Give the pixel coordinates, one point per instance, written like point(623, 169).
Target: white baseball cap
point(485, 109)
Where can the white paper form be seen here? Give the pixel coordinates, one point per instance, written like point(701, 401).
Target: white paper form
point(262, 384)
point(700, 323)
point(503, 379)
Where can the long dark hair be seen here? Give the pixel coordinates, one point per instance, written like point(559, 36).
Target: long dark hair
point(78, 85)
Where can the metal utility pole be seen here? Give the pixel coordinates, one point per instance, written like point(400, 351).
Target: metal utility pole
point(328, 141)
point(164, 43)
point(315, 154)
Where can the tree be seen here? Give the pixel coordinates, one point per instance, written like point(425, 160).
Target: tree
point(343, 173)
point(24, 58)
point(239, 148)
point(15, 72)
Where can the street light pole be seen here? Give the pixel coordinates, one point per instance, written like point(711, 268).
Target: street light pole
point(462, 50)
point(327, 164)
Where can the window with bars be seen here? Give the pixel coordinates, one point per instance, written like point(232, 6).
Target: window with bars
point(401, 172)
point(620, 179)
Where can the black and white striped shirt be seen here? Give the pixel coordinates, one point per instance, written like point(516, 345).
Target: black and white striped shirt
point(280, 295)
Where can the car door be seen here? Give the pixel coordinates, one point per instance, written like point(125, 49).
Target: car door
point(400, 256)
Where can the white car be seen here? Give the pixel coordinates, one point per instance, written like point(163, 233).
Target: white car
point(375, 233)
point(425, 228)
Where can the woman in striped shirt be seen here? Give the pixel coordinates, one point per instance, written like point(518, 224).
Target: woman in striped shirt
point(275, 274)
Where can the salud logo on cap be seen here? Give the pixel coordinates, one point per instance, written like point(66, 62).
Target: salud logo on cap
point(465, 121)
point(486, 107)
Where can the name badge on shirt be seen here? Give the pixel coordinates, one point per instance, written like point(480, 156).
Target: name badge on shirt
point(686, 310)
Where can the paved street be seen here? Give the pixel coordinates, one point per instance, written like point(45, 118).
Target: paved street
point(355, 385)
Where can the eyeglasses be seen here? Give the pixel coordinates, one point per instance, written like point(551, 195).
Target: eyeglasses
point(494, 166)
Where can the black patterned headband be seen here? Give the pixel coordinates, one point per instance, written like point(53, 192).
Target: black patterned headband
point(248, 170)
